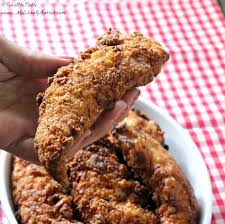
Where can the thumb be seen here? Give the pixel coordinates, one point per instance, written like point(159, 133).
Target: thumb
point(29, 63)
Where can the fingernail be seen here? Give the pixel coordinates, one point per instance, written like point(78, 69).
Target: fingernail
point(120, 114)
point(65, 57)
point(122, 103)
point(124, 108)
point(139, 92)
point(88, 133)
point(135, 98)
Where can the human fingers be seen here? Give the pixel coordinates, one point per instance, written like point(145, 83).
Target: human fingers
point(103, 124)
point(79, 141)
point(110, 118)
point(27, 62)
point(129, 98)
point(67, 57)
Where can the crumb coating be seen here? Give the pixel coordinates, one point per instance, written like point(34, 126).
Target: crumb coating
point(79, 92)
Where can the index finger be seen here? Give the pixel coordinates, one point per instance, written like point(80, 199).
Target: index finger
point(26, 62)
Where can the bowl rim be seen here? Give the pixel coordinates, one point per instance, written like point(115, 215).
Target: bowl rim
point(5, 160)
point(5, 194)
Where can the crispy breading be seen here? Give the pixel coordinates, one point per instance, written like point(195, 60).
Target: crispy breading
point(125, 177)
point(79, 92)
point(103, 186)
point(38, 198)
point(141, 123)
point(129, 167)
point(156, 169)
point(103, 190)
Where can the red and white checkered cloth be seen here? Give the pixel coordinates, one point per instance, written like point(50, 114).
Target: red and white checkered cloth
point(192, 88)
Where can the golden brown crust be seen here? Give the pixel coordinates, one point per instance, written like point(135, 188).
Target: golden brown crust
point(80, 91)
point(103, 191)
point(126, 177)
point(103, 186)
point(38, 197)
point(141, 123)
point(152, 164)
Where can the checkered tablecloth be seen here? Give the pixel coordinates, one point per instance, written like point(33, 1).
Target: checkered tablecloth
point(192, 86)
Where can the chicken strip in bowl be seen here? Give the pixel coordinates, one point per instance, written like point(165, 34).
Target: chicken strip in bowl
point(128, 177)
point(152, 165)
point(37, 197)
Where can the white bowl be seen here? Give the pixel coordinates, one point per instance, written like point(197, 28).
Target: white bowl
point(180, 145)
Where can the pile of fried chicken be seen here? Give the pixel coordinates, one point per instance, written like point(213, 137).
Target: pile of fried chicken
point(125, 177)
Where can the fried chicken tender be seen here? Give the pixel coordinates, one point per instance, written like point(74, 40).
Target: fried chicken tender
point(103, 186)
point(141, 123)
point(38, 198)
point(158, 171)
point(103, 191)
point(79, 92)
